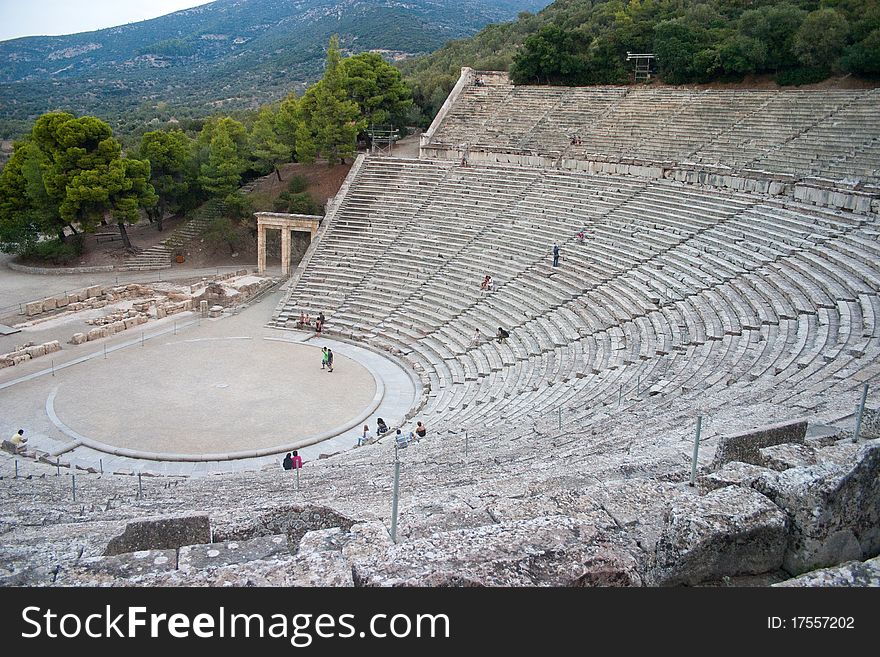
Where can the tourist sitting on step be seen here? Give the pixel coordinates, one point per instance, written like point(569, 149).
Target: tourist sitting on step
point(304, 320)
point(581, 237)
point(19, 442)
point(287, 463)
point(421, 430)
point(477, 339)
point(502, 335)
point(319, 323)
point(401, 439)
point(381, 427)
point(297, 460)
point(487, 284)
point(365, 437)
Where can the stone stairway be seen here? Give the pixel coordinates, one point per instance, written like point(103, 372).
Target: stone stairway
point(159, 256)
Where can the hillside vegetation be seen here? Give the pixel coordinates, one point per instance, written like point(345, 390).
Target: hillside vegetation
point(224, 56)
point(580, 42)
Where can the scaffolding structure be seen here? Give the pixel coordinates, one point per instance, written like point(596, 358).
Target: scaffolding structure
point(643, 67)
point(382, 138)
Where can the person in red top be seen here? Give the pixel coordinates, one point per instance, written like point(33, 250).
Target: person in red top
point(297, 460)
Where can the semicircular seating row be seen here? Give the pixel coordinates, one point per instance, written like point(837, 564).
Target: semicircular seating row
point(828, 133)
point(676, 291)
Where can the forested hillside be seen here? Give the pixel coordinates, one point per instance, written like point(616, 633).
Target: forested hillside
point(580, 42)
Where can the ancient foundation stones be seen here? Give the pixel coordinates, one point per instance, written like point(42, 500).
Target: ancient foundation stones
point(833, 510)
point(851, 573)
point(161, 534)
point(126, 568)
point(745, 446)
point(789, 455)
point(27, 352)
point(211, 555)
point(730, 531)
point(731, 474)
point(293, 520)
point(551, 551)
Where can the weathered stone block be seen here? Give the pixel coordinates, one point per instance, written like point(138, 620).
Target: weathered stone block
point(733, 473)
point(52, 347)
point(549, 551)
point(731, 531)
point(851, 573)
point(61, 301)
point(36, 352)
point(33, 308)
point(160, 312)
point(78, 338)
point(834, 510)
point(213, 555)
point(745, 446)
point(788, 455)
point(161, 534)
point(94, 291)
point(95, 334)
point(48, 304)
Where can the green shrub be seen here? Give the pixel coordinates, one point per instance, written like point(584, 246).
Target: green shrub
point(55, 251)
point(304, 204)
point(297, 184)
point(802, 75)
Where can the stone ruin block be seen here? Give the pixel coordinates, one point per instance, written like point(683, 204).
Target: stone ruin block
point(117, 327)
point(36, 352)
point(33, 308)
point(833, 510)
point(160, 312)
point(731, 531)
point(61, 301)
point(786, 456)
point(745, 446)
point(78, 338)
point(52, 347)
point(129, 322)
point(94, 291)
point(163, 533)
point(17, 360)
point(6, 362)
point(48, 304)
point(95, 334)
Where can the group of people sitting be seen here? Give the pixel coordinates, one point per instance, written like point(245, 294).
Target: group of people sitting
point(413, 436)
point(294, 462)
point(305, 321)
point(575, 140)
point(402, 439)
point(501, 335)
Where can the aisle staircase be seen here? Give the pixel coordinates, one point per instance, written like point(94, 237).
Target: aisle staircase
point(160, 255)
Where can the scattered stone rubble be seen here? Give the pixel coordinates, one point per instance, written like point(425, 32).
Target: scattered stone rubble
point(27, 352)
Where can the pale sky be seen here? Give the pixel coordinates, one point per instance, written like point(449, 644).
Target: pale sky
point(20, 18)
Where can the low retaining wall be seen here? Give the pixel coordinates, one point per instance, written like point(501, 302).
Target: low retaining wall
point(51, 271)
point(745, 447)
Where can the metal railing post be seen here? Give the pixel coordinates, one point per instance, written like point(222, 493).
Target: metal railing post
point(394, 500)
point(860, 413)
point(696, 449)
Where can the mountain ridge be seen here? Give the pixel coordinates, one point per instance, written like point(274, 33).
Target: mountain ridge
point(231, 53)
